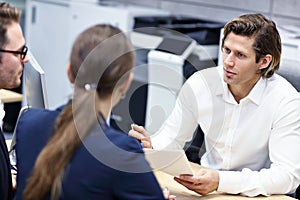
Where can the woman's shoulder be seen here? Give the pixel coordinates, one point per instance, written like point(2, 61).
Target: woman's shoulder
point(38, 117)
point(123, 140)
point(36, 124)
point(115, 149)
point(39, 114)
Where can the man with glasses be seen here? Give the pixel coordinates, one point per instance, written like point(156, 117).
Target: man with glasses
point(12, 58)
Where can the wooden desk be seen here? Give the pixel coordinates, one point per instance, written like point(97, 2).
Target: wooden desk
point(182, 193)
point(7, 96)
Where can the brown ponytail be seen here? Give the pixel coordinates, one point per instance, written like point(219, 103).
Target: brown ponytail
point(49, 167)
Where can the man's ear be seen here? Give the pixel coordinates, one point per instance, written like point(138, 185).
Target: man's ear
point(265, 61)
point(69, 73)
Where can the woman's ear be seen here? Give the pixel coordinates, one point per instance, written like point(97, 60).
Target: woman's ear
point(265, 61)
point(69, 73)
point(126, 84)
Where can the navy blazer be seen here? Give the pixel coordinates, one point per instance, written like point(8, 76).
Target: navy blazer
point(5, 174)
point(108, 165)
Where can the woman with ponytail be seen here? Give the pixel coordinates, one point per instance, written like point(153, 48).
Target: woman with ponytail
point(72, 152)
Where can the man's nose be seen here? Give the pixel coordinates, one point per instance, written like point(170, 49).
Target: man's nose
point(228, 59)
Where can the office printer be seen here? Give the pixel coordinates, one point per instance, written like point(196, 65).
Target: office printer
point(195, 45)
point(148, 32)
point(176, 47)
point(168, 50)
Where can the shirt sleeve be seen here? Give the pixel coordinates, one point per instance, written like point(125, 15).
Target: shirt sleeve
point(283, 175)
point(181, 124)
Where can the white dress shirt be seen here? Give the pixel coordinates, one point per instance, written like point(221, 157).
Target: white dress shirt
point(2, 113)
point(254, 144)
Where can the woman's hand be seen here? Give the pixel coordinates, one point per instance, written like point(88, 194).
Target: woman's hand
point(139, 133)
point(167, 194)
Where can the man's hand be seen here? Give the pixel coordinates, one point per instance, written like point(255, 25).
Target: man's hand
point(203, 182)
point(139, 133)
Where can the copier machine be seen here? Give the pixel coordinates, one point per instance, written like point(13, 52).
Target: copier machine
point(176, 46)
point(168, 50)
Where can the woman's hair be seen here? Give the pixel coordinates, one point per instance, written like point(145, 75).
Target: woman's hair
point(8, 15)
point(101, 59)
point(265, 33)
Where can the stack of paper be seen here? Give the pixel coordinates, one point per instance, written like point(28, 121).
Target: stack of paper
point(173, 162)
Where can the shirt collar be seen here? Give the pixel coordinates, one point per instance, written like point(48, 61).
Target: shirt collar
point(255, 95)
point(106, 123)
point(2, 112)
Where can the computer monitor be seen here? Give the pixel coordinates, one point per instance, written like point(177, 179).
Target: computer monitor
point(34, 84)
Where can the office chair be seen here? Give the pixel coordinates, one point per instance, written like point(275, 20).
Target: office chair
point(289, 69)
point(196, 147)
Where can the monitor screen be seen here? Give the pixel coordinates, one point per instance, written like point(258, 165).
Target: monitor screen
point(34, 84)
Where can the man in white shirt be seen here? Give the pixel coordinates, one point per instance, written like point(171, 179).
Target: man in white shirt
point(250, 117)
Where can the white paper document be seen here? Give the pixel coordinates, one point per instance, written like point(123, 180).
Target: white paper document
point(173, 162)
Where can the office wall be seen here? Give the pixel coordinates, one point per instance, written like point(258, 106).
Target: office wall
point(281, 11)
point(18, 3)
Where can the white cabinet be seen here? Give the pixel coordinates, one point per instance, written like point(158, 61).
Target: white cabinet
point(47, 25)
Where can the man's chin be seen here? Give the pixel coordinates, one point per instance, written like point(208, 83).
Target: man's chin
point(13, 86)
point(227, 80)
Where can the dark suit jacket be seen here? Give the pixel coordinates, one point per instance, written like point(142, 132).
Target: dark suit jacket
point(108, 165)
point(5, 174)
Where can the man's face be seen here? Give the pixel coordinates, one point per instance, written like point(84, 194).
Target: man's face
point(11, 66)
point(240, 68)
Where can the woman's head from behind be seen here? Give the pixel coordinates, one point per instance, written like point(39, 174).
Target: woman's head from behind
point(101, 57)
point(102, 70)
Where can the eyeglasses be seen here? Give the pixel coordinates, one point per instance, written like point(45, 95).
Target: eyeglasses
point(22, 53)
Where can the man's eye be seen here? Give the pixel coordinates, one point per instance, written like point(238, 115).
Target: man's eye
point(226, 50)
point(240, 55)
